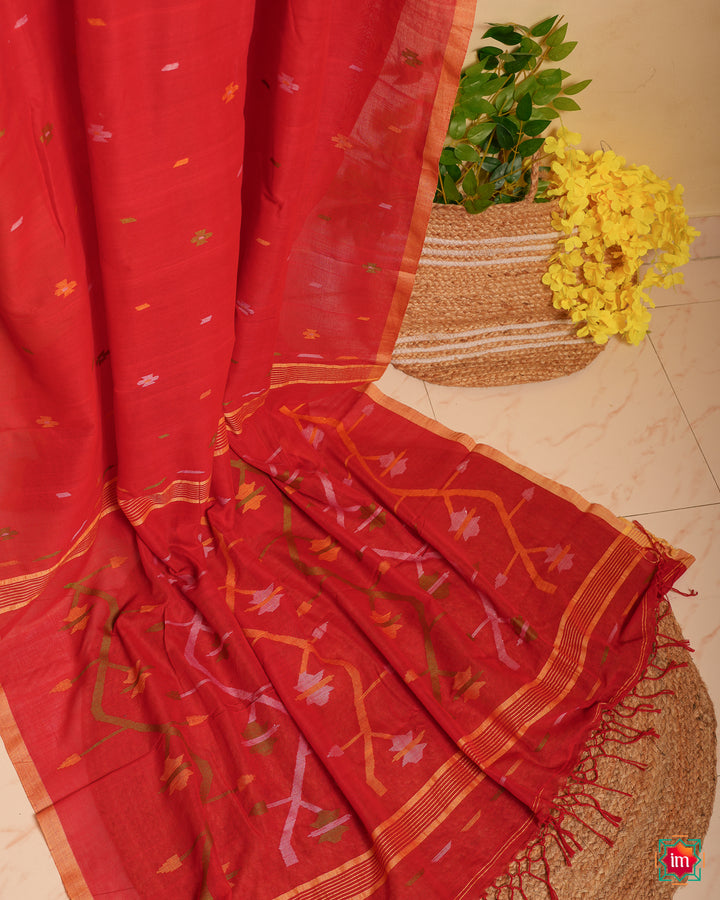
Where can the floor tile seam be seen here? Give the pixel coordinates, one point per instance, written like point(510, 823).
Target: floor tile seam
point(672, 509)
point(684, 303)
point(684, 413)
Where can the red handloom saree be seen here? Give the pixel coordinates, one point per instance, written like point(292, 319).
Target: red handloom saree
point(263, 632)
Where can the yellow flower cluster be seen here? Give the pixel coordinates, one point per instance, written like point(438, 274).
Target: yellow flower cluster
point(623, 230)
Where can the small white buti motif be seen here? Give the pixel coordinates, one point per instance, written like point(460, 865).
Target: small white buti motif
point(98, 133)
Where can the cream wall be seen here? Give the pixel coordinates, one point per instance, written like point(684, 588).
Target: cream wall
point(655, 96)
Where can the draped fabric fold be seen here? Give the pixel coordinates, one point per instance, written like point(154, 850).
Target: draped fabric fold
point(263, 631)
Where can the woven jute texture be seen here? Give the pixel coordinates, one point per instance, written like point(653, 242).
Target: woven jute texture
point(672, 796)
point(479, 313)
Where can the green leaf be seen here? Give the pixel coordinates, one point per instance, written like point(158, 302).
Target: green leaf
point(565, 103)
point(453, 171)
point(535, 127)
point(545, 95)
point(484, 52)
point(518, 62)
point(456, 128)
point(542, 28)
point(505, 137)
point(557, 37)
point(524, 108)
point(447, 157)
point(576, 88)
point(528, 45)
point(479, 133)
point(506, 34)
point(528, 148)
point(451, 191)
point(477, 106)
point(490, 85)
point(466, 153)
point(481, 200)
point(547, 112)
point(525, 86)
point(558, 53)
point(490, 163)
point(469, 183)
point(549, 77)
point(504, 99)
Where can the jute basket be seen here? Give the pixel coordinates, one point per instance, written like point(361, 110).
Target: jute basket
point(479, 313)
point(657, 787)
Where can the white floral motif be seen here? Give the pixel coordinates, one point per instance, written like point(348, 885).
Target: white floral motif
point(98, 133)
point(464, 524)
point(287, 83)
point(310, 686)
point(407, 747)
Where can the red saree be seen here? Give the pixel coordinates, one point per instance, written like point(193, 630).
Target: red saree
point(265, 633)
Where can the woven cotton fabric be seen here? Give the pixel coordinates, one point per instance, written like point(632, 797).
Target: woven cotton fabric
point(265, 633)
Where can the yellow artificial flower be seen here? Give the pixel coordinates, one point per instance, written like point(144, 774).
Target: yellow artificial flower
point(622, 230)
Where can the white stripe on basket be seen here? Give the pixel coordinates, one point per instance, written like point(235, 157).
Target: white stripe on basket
point(512, 239)
point(417, 352)
point(470, 252)
point(477, 263)
point(490, 329)
point(473, 355)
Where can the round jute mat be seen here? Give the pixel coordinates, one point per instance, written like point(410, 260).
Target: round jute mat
point(671, 795)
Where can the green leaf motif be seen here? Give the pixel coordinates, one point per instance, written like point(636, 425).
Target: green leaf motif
point(456, 129)
point(505, 137)
point(479, 133)
point(542, 28)
point(518, 62)
point(527, 85)
point(528, 45)
point(451, 192)
point(467, 153)
point(469, 184)
point(504, 99)
point(548, 112)
point(478, 106)
point(536, 127)
point(558, 53)
point(528, 148)
point(506, 34)
point(545, 95)
point(576, 88)
point(484, 52)
point(524, 108)
point(557, 37)
point(566, 103)
point(550, 77)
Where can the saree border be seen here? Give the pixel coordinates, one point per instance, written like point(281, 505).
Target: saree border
point(46, 815)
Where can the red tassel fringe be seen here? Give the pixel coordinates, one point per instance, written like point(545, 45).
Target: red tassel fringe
point(532, 864)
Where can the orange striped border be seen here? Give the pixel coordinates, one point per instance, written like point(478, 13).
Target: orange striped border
point(317, 373)
point(408, 827)
point(47, 817)
point(20, 590)
point(137, 509)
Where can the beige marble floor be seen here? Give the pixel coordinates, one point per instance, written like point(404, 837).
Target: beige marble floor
point(638, 430)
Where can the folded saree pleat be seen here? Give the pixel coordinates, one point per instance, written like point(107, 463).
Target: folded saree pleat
point(264, 632)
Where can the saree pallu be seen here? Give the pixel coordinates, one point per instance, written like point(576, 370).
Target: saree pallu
point(265, 633)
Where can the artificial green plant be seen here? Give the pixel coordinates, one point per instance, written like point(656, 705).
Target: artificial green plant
point(505, 103)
